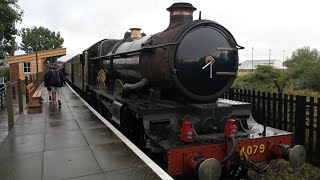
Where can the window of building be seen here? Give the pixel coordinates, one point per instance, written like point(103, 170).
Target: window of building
point(27, 67)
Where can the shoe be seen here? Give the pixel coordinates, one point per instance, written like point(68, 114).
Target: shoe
point(49, 97)
point(59, 102)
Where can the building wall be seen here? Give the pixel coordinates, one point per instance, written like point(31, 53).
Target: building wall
point(14, 76)
point(33, 67)
point(278, 64)
point(248, 65)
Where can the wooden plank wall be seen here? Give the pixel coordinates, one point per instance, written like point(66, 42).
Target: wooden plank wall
point(33, 68)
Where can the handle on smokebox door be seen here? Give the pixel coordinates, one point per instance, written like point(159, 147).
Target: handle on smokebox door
point(209, 62)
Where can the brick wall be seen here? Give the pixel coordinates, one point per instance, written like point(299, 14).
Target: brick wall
point(14, 72)
point(14, 76)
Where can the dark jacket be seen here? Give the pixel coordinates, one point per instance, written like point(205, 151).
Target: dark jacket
point(61, 76)
point(46, 78)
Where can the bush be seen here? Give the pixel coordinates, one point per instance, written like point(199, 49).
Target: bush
point(5, 72)
point(304, 67)
point(312, 78)
point(262, 79)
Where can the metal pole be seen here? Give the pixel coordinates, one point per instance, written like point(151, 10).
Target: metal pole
point(252, 58)
point(1, 99)
point(20, 96)
point(9, 104)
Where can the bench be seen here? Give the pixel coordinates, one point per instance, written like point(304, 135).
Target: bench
point(35, 97)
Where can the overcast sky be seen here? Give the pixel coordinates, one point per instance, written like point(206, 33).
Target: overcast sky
point(279, 25)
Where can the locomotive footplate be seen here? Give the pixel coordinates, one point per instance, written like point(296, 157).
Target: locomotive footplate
point(256, 150)
point(205, 141)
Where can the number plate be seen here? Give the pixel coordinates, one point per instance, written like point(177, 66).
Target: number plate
point(253, 149)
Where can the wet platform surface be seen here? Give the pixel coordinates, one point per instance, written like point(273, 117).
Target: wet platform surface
point(70, 142)
point(4, 117)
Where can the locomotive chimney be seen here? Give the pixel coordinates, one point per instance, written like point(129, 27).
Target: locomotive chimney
point(135, 33)
point(180, 13)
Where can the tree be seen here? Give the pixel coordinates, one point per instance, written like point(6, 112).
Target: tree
point(263, 78)
point(39, 38)
point(5, 72)
point(10, 15)
point(303, 66)
point(302, 55)
point(312, 78)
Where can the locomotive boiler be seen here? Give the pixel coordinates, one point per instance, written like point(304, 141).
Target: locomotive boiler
point(196, 59)
point(162, 91)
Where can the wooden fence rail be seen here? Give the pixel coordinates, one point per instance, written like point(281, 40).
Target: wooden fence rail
point(297, 114)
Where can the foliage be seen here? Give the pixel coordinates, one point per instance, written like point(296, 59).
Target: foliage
point(262, 79)
point(304, 67)
point(5, 72)
point(312, 78)
point(240, 83)
point(302, 55)
point(39, 38)
point(10, 15)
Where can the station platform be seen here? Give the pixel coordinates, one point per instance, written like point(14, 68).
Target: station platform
point(71, 142)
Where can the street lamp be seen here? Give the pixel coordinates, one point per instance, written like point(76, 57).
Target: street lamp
point(283, 59)
point(252, 58)
point(269, 56)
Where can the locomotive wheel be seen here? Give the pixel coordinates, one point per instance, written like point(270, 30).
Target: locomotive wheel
point(142, 138)
point(132, 127)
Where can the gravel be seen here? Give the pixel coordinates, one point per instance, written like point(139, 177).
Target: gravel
point(281, 170)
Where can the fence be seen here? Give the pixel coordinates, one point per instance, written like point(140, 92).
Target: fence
point(11, 90)
point(2, 96)
point(32, 78)
point(297, 114)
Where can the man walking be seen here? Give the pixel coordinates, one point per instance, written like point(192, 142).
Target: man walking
point(56, 84)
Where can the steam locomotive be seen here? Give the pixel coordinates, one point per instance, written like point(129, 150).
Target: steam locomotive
point(162, 91)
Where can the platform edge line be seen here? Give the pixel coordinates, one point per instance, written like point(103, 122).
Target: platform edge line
point(158, 170)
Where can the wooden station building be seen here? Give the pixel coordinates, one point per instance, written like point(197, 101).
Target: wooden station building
point(25, 64)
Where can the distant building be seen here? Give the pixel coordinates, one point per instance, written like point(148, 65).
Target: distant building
point(249, 64)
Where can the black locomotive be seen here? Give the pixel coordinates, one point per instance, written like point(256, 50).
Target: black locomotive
point(162, 91)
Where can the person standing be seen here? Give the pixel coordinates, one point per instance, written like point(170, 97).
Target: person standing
point(56, 83)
